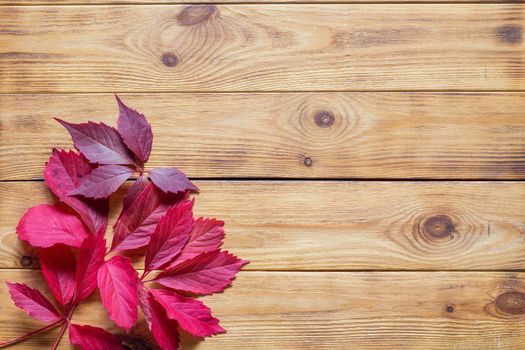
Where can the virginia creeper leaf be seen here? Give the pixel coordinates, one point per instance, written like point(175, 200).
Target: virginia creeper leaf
point(206, 236)
point(170, 236)
point(206, 273)
point(137, 223)
point(90, 258)
point(103, 181)
point(100, 143)
point(135, 131)
point(117, 281)
point(171, 180)
point(93, 338)
point(58, 268)
point(33, 302)
point(46, 225)
point(164, 330)
point(192, 315)
point(143, 302)
point(134, 191)
point(63, 173)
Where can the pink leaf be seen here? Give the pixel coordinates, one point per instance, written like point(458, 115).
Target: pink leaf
point(164, 330)
point(144, 303)
point(192, 315)
point(100, 143)
point(136, 223)
point(58, 268)
point(63, 173)
point(33, 302)
point(46, 225)
point(103, 181)
point(171, 180)
point(90, 258)
point(92, 338)
point(134, 191)
point(206, 236)
point(206, 273)
point(170, 236)
point(135, 131)
point(117, 281)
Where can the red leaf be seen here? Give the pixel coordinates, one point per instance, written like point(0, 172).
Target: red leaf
point(144, 303)
point(206, 273)
point(135, 131)
point(171, 180)
point(163, 329)
point(103, 181)
point(90, 258)
point(33, 302)
point(46, 225)
point(100, 143)
point(170, 236)
point(134, 191)
point(117, 281)
point(63, 173)
point(192, 315)
point(92, 338)
point(137, 223)
point(206, 236)
point(58, 268)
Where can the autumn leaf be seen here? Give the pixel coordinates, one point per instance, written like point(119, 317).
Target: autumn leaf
point(171, 180)
point(33, 302)
point(93, 338)
point(103, 181)
point(89, 260)
point(58, 267)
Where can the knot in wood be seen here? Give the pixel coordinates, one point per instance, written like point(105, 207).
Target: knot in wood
point(308, 161)
point(26, 261)
point(196, 14)
point(170, 60)
point(512, 303)
point(510, 34)
point(439, 226)
point(324, 119)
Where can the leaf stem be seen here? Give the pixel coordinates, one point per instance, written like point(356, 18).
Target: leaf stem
point(30, 334)
point(67, 317)
point(144, 274)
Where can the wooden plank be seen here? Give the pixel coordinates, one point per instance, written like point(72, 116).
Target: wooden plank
point(339, 225)
point(262, 47)
point(337, 311)
point(306, 135)
point(167, 2)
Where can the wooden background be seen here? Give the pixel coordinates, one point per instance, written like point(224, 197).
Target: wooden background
point(367, 157)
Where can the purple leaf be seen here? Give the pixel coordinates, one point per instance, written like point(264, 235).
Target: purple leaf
point(63, 173)
point(33, 302)
point(206, 273)
point(90, 258)
point(134, 191)
point(135, 131)
point(170, 236)
point(100, 143)
point(93, 338)
point(171, 180)
point(103, 181)
point(117, 281)
point(136, 223)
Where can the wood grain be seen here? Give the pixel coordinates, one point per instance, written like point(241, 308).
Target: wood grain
point(338, 225)
point(167, 2)
point(369, 310)
point(300, 135)
point(262, 47)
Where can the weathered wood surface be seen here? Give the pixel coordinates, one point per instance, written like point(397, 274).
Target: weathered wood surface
point(357, 225)
point(368, 310)
point(305, 135)
point(262, 47)
point(167, 2)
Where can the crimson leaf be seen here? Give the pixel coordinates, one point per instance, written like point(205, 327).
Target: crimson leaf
point(192, 315)
point(134, 191)
point(100, 143)
point(103, 181)
point(93, 338)
point(171, 180)
point(206, 273)
point(90, 258)
point(58, 268)
point(137, 222)
point(33, 302)
point(170, 236)
point(117, 281)
point(144, 303)
point(135, 131)
point(46, 225)
point(63, 173)
point(164, 330)
point(206, 236)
